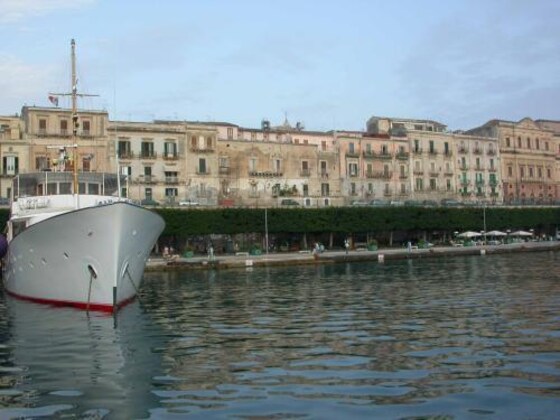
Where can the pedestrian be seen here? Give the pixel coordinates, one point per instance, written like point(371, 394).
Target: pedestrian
point(346, 245)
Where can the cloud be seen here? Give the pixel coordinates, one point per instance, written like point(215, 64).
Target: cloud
point(14, 11)
point(21, 82)
point(462, 68)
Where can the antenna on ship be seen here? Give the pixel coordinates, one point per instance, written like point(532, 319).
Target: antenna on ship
point(75, 123)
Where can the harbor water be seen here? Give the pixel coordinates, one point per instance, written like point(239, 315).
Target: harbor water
point(462, 337)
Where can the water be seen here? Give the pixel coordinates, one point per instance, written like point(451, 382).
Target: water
point(468, 337)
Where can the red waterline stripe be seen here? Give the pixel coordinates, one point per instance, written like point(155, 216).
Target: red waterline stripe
point(97, 307)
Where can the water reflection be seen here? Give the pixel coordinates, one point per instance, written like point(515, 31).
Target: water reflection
point(461, 337)
point(64, 362)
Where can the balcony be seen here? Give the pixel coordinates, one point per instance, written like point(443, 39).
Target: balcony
point(418, 172)
point(126, 155)
point(265, 174)
point(434, 174)
point(387, 192)
point(170, 156)
point(477, 151)
point(417, 151)
point(433, 152)
point(403, 175)
point(203, 171)
point(379, 175)
point(385, 155)
point(491, 169)
point(171, 180)
point(403, 155)
point(368, 154)
point(463, 150)
point(491, 152)
point(147, 179)
point(464, 167)
point(304, 172)
point(447, 153)
point(480, 183)
point(224, 170)
point(464, 182)
point(480, 194)
point(352, 154)
point(148, 155)
point(493, 182)
point(324, 175)
point(196, 149)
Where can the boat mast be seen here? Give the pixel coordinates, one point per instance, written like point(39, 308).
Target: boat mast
point(75, 122)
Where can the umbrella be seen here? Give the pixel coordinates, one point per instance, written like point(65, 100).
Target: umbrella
point(468, 234)
point(521, 233)
point(496, 233)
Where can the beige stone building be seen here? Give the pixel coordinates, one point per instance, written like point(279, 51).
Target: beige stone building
point(14, 153)
point(528, 160)
point(444, 165)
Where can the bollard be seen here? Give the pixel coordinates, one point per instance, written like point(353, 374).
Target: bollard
point(482, 252)
point(381, 258)
point(248, 263)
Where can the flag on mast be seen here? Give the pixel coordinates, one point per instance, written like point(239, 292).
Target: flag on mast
point(54, 100)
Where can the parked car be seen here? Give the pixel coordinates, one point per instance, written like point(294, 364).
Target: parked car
point(429, 203)
point(4, 201)
point(377, 202)
point(449, 202)
point(412, 203)
point(396, 203)
point(359, 203)
point(149, 202)
point(188, 203)
point(288, 202)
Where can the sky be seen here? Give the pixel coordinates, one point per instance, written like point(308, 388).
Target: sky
point(330, 64)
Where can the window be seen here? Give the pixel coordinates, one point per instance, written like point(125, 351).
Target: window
point(277, 166)
point(537, 143)
point(323, 145)
point(528, 143)
point(530, 171)
point(42, 126)
point(369, 169)
point(416, 145)
point(124, 149)
point(540, 172)
point(419, 184)
point(432, 150)
point(10, 165)
point(403, 188)
point(148, 194)
point(209, 143)
point(147, 149)
point(253, 136)
point(433, 184)
point(64, 127)
point(305, 168)
point(508, 142)
point(548, 173)
point(230, 133)
point(352, 188)
point(323, 164)
point(492, 164)
point(351, 148)
point(353, 169)
point(41, 163)
point(202, 166)
point(446, 148)
point(448, 184)
point(519, 142)
point(386, 170)
point(85, 128)
point(522, 171)
point(86, 163)
point(170, 149)
point(402, 172)
point(171, 177)
point(252, 164)
point(147, 173)
point(368, 148)
point(305, 190)
point(171, 192)
point(510, 171)
point(477, 163)
point(325, 190)
point(126, 170)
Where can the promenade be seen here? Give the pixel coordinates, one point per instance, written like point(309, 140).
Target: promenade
point(243, 260)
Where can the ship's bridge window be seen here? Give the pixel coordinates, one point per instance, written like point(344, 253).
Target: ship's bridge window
point(18, 227)
point(93, 189)
point(65, 188)
point(51, 188)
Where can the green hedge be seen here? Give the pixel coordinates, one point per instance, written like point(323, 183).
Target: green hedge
point(353, 220)
point(183, 223)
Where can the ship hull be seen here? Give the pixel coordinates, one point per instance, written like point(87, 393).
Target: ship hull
point(91, 258)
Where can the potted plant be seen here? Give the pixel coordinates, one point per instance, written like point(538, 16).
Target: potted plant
point(255, 250)
point(372, 245)
point(189, 252)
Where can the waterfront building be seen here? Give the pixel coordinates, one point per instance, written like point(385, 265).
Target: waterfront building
point(444, 165)
point(529, 155)
point(373, 166)
point(14, 153)
point(278, 164)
